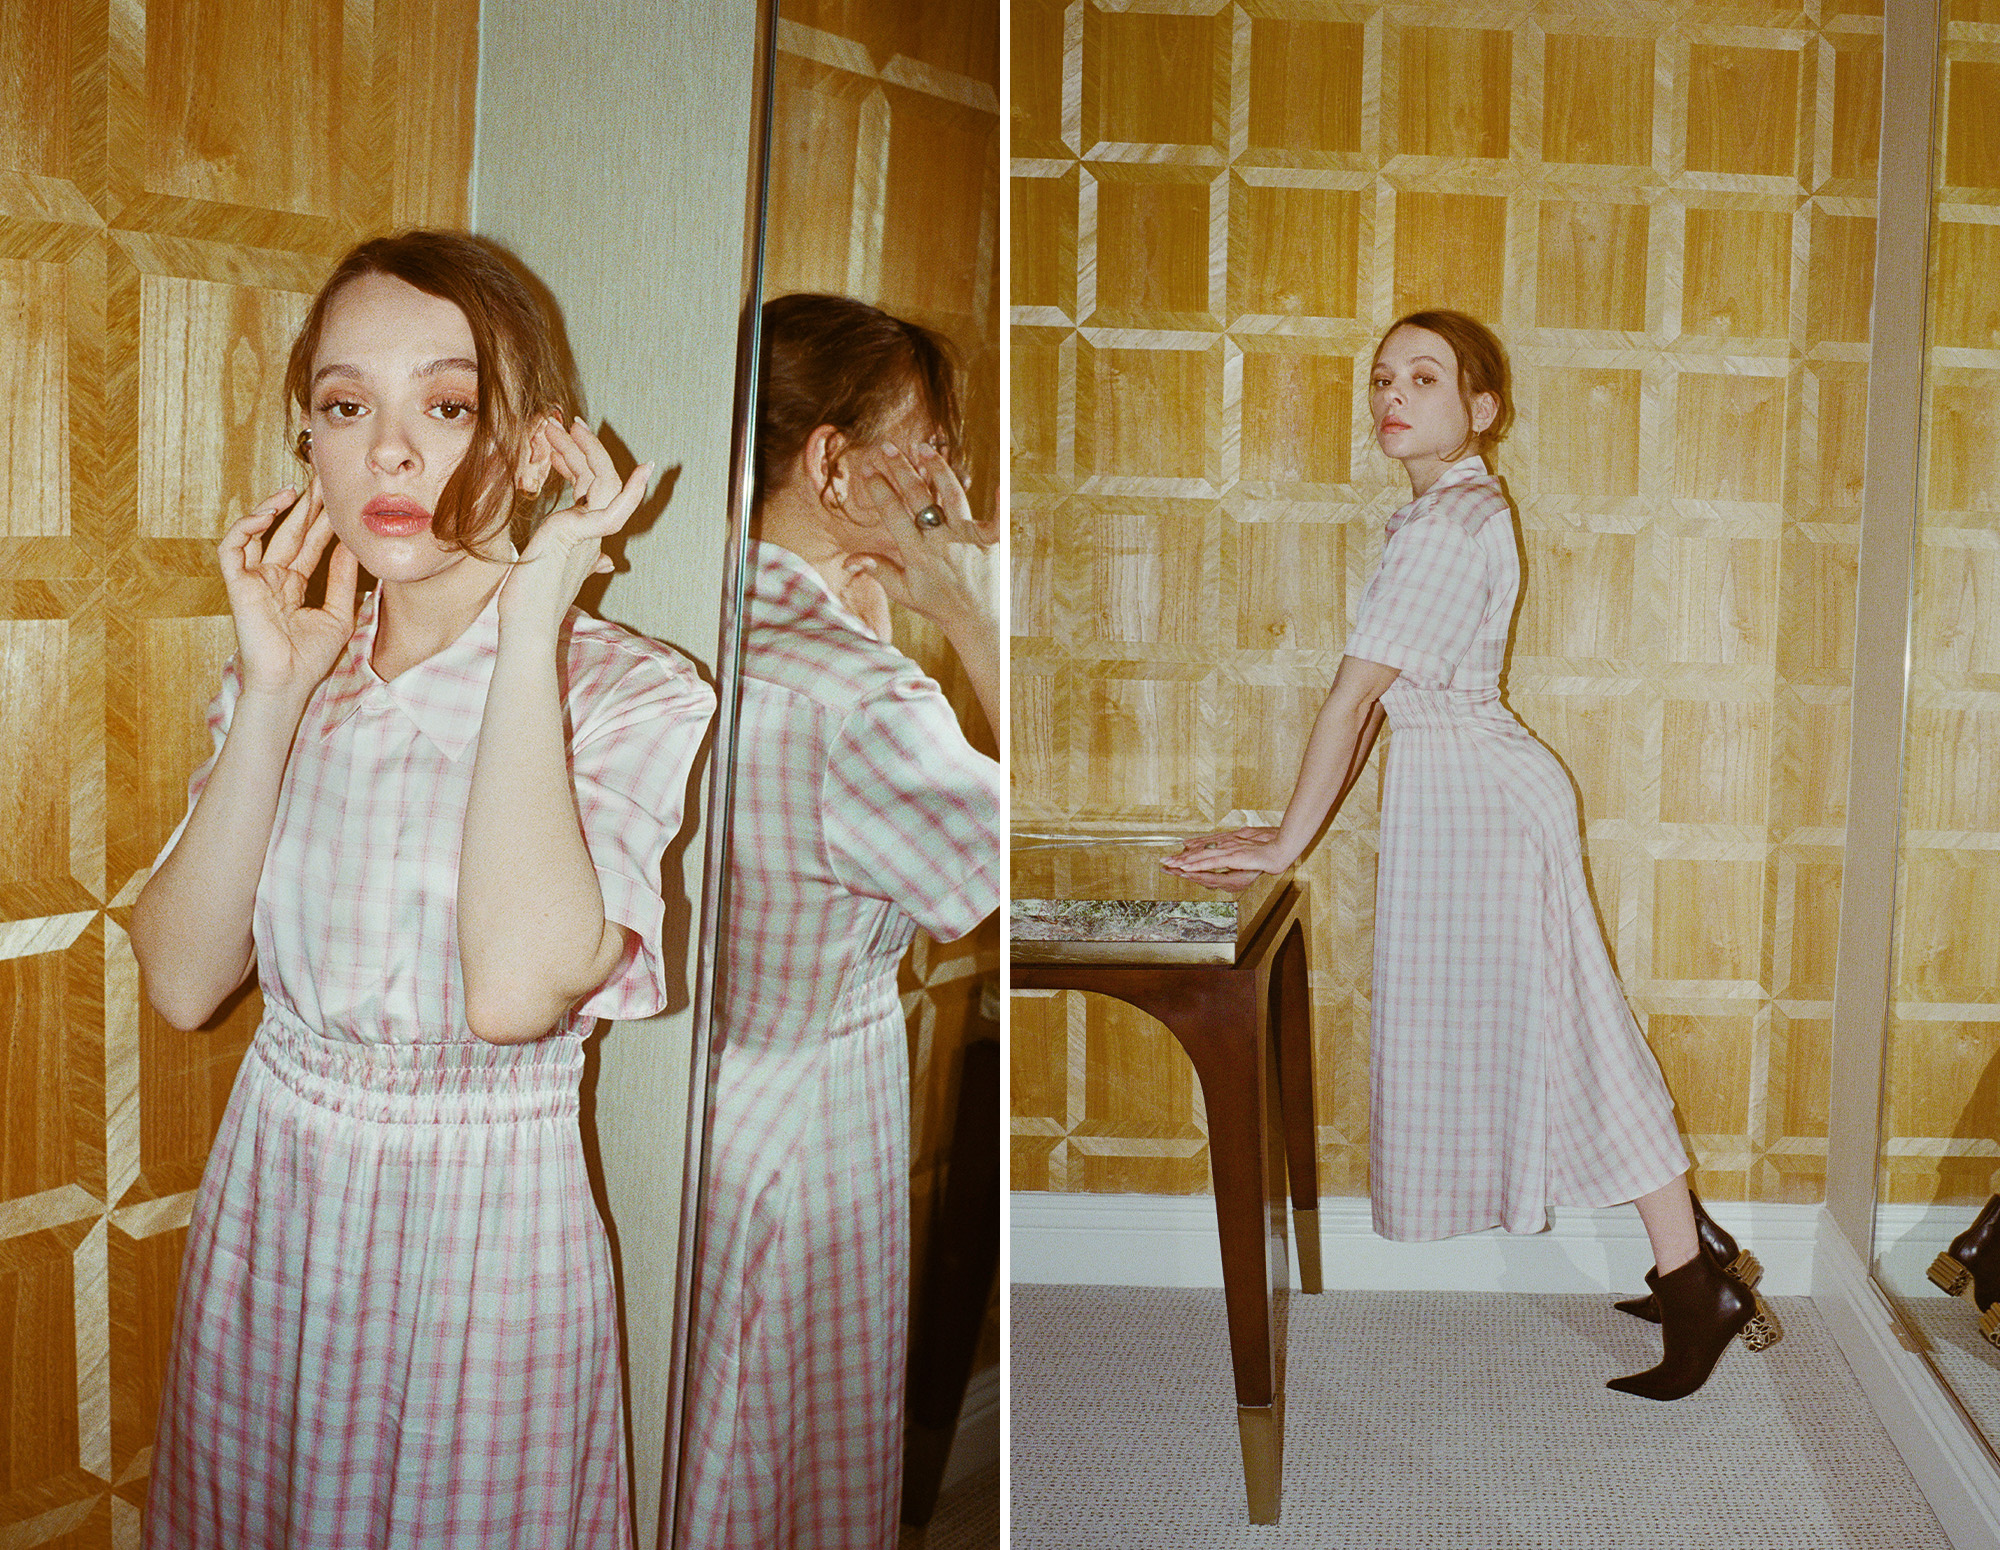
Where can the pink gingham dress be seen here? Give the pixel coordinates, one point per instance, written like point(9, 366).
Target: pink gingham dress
point(861, 814)
point(1509, 1073)
point(396, 1323)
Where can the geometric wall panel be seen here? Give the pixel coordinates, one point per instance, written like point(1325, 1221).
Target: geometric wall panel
point(176, 179)
point(1668, 216)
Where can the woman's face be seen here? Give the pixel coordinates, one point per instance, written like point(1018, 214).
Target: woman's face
point(1413, 396)
point(394, 398)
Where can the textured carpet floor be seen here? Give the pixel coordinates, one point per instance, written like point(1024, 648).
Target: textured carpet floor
point(1440, 1419)
point(967, 1517)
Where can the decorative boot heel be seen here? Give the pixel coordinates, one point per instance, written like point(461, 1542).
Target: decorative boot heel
point(1701, 1311)
point(1949, 1276)
point(1977, 1249)
point(1989, 1325)
point(1763, 1331)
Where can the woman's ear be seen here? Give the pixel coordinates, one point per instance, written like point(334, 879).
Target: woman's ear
point(531, 468)
point(1485, 410)
point(822, 455)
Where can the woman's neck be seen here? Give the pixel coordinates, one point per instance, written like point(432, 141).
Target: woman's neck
point(415, 620)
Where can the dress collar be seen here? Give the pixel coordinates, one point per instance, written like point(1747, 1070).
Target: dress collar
point(444, 695)
point(786, 585)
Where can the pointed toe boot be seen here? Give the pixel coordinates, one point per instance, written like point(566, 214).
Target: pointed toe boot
point(1701, 1310)
point(1738, 1263)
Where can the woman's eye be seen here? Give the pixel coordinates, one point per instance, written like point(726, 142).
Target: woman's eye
point(454, 409)
point(340, 409)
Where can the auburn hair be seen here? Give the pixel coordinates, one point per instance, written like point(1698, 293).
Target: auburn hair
point(523, 376)
point(832, 360)
point(1482, 367)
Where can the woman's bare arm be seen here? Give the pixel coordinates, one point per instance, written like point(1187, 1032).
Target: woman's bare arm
point(1343, 734)
point(191, 924)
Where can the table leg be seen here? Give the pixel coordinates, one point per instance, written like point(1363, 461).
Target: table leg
point(1291, 1009)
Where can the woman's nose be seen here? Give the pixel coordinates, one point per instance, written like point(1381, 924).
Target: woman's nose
point(391, 451)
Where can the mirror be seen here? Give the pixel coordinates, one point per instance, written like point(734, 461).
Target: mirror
point(1939, 1151)
point(883, 186)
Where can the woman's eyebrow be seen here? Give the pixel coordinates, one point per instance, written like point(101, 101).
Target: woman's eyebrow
point(421, 369)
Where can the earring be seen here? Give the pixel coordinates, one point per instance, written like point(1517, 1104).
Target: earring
point(304, 445)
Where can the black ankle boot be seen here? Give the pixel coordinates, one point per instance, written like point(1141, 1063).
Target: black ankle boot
point(1738, 1263)
point(1701, 1311)
point(1971, 1266)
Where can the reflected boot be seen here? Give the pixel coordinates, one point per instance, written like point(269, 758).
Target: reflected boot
point(1701, 1311)
point(1738, 1263)
point(1971, 1268)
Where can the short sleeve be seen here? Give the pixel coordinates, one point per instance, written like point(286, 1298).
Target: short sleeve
point(221, 710)
point(629, 763)
point(1422, 610)
point(911, 811)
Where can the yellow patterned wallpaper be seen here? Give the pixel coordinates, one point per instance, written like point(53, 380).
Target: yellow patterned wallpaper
point(166, 213)
point(1668, 213)
point(1941, 1110)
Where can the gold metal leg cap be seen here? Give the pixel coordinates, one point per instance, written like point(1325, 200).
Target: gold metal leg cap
point(1263, 1434)
point(1305, 1230)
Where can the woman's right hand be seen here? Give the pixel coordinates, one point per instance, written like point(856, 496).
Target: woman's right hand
point(1231, 850)
point(907, 507)
point(284, 647)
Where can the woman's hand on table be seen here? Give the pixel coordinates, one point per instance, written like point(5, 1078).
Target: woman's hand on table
point(1231, 850)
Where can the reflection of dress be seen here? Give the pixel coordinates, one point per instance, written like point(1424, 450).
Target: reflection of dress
point(861, 813)
point(1508, 1070)
point(396, 1322)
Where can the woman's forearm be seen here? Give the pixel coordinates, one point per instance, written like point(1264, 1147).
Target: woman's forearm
point(1343, 735)
point(191, 925)
point(977, 642)
point(532, 934)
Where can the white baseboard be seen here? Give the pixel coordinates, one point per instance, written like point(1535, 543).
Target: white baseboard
point(976, 1444)
point(1951, 1463)
point(1169, 1240)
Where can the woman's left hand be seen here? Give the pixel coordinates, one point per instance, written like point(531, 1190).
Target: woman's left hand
point(1232, 850)
point(567, 548)
point(906, 507)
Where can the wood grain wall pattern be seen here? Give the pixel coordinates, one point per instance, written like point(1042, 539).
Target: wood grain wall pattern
point(882, 106)
point(1667, 212)
point(1942, 1109)
point(174, 182)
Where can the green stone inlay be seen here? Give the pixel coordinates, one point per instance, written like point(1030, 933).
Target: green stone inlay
point(1123, 920)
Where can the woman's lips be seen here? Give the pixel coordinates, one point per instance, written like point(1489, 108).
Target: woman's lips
point(395, 516)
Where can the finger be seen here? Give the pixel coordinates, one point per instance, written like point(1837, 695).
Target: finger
point(603, 472)
point(343, 576)
point(288, 537)
point(910, 486)
point(947, 491)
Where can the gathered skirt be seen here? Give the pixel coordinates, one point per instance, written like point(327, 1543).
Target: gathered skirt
point(1508, 1071)
point(802, 1329)
point(396, 1323)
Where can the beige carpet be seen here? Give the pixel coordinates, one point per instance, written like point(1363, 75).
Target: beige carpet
point(1440, 1419)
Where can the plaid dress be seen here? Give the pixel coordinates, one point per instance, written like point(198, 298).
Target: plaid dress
point(861, 814)
point(396, 1323)
point(1508, 1071)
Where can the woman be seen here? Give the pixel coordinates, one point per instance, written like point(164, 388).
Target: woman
point(434, 829)
point(861, 815)
point(1508, 1072)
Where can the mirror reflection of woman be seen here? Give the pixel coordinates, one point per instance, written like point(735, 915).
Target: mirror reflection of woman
point(433, 827)
point(862, 814)
point(1508, 1072)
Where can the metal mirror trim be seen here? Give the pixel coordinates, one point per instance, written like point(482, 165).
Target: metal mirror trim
point(722, 783)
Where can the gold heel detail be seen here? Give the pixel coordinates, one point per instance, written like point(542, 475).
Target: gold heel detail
point(1989, 1325)
point(1745, 1269)
point(1949, 1276)
point(1763, 1331)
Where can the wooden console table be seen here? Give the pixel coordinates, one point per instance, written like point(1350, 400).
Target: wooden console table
point(1224, 969)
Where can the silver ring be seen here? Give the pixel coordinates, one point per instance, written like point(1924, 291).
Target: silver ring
point(931, 516)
